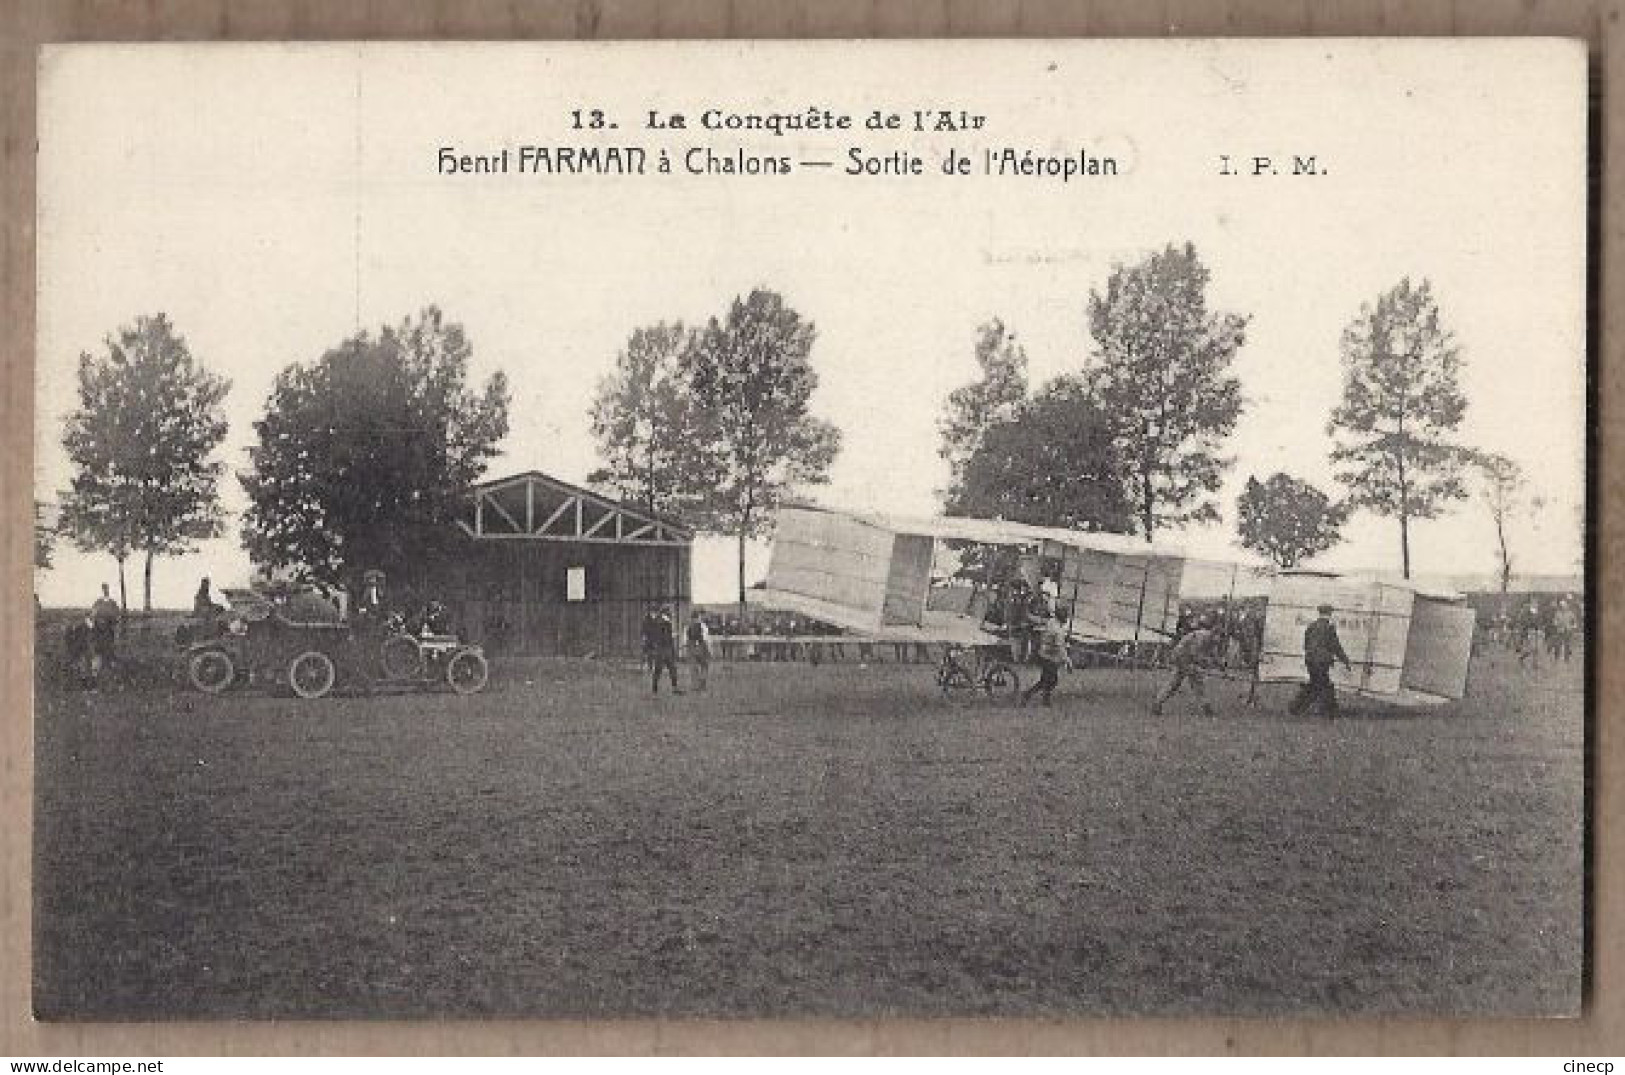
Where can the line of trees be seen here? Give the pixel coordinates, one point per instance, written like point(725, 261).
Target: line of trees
point(365, 456)
point(1133, 441)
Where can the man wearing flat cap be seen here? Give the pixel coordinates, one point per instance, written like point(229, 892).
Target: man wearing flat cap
point(1321, 647)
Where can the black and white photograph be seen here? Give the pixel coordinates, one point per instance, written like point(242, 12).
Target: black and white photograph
point(769, 529)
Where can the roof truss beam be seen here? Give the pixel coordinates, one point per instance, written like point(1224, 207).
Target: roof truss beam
point(578, 516)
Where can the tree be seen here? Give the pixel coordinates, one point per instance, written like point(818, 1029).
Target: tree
point(1051, 463)
point(366, 456)
point(972, 408)
point(752, 383)
point(1287, 520)
point(1162, 363)
point(92, 518)
point(1504, 490)
point(141, 442)
point(643, 418)
point(44, 538)
point(1401, 401)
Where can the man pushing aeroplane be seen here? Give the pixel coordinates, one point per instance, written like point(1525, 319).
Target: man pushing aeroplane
point(1321, 647)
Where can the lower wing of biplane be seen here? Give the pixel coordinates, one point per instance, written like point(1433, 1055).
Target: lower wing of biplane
point(894, 578)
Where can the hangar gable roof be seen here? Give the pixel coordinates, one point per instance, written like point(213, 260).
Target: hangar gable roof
point(532, 506)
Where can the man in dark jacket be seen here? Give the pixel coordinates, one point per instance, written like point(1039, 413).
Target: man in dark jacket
point(1321, 647)
point(660, 643)
point(105, 615)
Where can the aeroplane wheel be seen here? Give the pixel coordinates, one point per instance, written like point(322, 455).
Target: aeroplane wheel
point(1002, 681)
point(467, 672)
point(402, 658)
point(211, 671)
point(311, 674)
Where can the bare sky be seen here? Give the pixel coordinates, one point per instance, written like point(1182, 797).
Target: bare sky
point(271, 199)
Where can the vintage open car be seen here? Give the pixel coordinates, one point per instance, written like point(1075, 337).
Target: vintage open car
point(268, 637)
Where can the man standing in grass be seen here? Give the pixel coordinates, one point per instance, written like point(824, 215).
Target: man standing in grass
point(1321, 647)
point(648, 631)
point(660, 643)
point(1051, 653)
point(1188, 656)
point(699, 649)
point(105, 615)
point(1565, 625)
point(1528, 628)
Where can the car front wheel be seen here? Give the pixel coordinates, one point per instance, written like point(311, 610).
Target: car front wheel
point(311, 674)
point(211, 671)
point(467, 672)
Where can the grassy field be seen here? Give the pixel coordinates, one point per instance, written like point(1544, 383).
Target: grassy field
point(806, 841)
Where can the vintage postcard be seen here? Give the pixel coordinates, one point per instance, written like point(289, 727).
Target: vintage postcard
point(801, 529)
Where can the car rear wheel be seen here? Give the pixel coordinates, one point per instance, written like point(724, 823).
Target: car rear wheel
point(467, 672)
point(211, 671)
point(311, 674)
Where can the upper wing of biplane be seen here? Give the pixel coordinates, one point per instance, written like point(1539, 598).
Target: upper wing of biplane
point(876, 574)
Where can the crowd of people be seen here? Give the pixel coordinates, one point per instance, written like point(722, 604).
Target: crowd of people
point(1535, 628)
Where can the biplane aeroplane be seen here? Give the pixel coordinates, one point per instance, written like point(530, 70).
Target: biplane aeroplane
point(942, 579)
